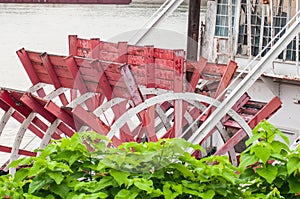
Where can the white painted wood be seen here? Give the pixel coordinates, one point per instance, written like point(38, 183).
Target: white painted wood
point(47, 137)
point(162, 115)
point(208, 49)
point(249, 27)
point(108, 105)
point(36, 87)
point(18, 139)
point(178, 114)
point(167, 97)
point(5, 118)
point(56, 93)
point(236, 25)
point(81, 99)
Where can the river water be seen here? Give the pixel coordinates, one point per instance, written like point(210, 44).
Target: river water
point(45, 28)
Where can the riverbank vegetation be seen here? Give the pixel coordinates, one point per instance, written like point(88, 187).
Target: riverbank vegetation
point(66, 169)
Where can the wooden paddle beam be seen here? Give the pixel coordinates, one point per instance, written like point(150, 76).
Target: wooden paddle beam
point(99, 83)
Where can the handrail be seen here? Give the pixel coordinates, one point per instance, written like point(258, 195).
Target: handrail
point(248, 81)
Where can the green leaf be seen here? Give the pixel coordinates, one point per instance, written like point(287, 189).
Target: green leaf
point(58, 177)
point(191, 192)
point(156, 193)
point(183, 169)
point(93, 136)
point(252, 139)
point(94, 195)
point(38, 183)
point(208, 195)
point(62, 190)
point(177, 187)
point(283, 136)
point(77, 143)
point(269, 173)
point(262, 152)
point(21, 175)
point(94, 186)
point(126, 194)
point(119, 176)
point(229, 176)
point(15, 163)
point(48, 150)
point(50, 197)
point(293, 164)
point(168, 194)
point(65, 143)
point(143, 184)
point(38, 167)
point(294, 184)
point(247, 160)
point(191, 185)
point(30, 196)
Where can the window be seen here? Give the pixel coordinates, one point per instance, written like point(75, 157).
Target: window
point(222, 18)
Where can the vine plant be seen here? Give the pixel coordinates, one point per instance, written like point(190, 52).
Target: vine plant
point(66, 169)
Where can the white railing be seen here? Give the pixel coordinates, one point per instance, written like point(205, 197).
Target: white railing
point(249, 79)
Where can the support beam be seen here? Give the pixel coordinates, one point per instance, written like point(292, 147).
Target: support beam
point(53, 76)
point(25, 60)
point(193, 30)
point(78, 80)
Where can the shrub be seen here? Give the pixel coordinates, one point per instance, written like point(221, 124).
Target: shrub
point(66, 169)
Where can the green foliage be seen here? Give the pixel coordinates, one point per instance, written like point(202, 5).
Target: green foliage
point(270, 168)
point(66, 169)
point(10, 188)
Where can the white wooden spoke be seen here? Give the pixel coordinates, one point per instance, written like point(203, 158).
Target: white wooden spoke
point(190, 121)
point(153, 91)
point(162, 115)
point(108, 105)
point(81, 99)
point(167, 97)
point(225, 137)
point(178, 117)
point(5, 118)
point(36, 87)
point(55, 93)
point(47, 137)
point(18, 139)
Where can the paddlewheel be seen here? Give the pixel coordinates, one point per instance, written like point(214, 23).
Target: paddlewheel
point(128, 93)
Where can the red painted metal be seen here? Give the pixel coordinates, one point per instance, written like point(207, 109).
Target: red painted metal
point(37, 105)
point(23, 56)
point(226, 79)
point(6, 149)
point(20, 118)
point(95, 123)
point(53, 76)
point(197, 69)
point(10, 99)
point(78, 80)
point(266, 112)
point(62, 114)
